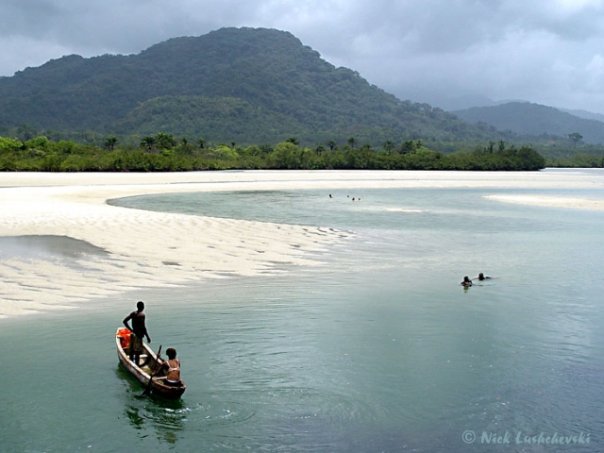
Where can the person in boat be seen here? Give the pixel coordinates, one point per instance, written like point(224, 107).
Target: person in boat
point(139, 331)
point(466, 283)
point(482, 277)
point(172, 367)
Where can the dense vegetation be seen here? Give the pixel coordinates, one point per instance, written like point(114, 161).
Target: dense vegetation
point(163, 152)
point(243, 85)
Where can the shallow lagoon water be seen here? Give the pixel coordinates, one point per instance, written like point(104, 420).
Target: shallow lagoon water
point(379, 349)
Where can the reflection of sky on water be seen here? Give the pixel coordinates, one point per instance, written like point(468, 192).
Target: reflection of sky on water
point(382, 209)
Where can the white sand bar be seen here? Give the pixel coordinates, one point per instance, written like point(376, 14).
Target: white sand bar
point(150, 249)
point(557, 202)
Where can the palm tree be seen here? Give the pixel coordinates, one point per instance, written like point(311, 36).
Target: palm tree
point(164, 141)
point(110, 143)
point(147, 142)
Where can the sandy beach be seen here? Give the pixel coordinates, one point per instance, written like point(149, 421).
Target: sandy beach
point(143, 249)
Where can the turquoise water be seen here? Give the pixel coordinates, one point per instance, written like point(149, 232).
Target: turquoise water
point(380, 349)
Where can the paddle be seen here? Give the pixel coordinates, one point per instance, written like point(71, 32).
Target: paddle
point(152, 375)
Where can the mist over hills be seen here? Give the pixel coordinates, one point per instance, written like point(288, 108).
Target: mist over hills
point(234, 84)
point(585, 114)
point(530, 119)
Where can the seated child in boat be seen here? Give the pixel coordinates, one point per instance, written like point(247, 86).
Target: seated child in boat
point(172, 366)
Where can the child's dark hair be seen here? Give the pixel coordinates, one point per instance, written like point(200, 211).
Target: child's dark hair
point(171, 352)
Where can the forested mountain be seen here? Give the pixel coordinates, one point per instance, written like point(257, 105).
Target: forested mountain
point(244, 85)
point(533, 119)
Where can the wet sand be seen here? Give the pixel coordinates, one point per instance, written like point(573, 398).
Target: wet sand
point(127, 249)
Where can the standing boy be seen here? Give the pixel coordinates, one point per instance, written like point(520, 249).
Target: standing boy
point(138, 329)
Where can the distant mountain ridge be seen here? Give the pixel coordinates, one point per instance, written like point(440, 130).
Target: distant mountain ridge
point(233, 84)
point(526, 118)
point(585, 114)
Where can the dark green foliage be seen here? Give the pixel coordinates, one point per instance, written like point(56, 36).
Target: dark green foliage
point(581, 160)
point(164, 152)
point(243, 85)
point(512, 158)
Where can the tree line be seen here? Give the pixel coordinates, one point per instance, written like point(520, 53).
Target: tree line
point(165, 152)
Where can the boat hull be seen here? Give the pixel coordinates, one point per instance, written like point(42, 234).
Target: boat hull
point(143, 374)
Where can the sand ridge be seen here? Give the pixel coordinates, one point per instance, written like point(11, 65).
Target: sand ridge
point(147, 249)
point(551, 201)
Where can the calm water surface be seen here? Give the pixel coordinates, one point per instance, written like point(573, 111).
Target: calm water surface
point(380, 349)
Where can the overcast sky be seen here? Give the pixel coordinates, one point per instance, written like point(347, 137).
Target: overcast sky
point(444, 52)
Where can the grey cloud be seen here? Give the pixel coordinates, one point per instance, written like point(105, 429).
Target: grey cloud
point(431, 50)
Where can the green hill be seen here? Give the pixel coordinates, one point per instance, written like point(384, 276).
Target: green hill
point(244, 85)
point(525, 118)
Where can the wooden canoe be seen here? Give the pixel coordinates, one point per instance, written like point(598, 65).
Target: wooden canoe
point(143, 373)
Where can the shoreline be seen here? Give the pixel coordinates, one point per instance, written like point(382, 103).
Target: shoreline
point(147, 249)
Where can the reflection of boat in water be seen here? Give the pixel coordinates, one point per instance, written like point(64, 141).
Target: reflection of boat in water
point(151, 367)
point(164, 421)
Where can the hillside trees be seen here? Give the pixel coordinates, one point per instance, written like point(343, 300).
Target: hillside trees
point(247, 85)
point(575, 137)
